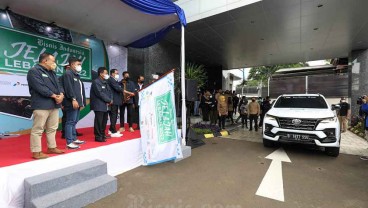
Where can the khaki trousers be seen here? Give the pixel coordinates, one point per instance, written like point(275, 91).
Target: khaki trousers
point(343, 123)
point(44, 119)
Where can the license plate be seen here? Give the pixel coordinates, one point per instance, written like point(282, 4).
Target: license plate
point(298, 137)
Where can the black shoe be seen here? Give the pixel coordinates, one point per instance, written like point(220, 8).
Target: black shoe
point(107, 137)
point(100, 140)
point(250, 129)
point(256, 129)
point(79, 134)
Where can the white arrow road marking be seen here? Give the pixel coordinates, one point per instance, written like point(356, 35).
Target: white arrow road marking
point(272, 184)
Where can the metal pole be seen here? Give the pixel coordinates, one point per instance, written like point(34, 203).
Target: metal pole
point(306, 84)
point(183, 106)
point(268, 90)
point(243, 82)
point(260, 92)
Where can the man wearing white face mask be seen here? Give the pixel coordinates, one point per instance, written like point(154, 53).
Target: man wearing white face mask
point(75, 100)
point(101, 101)
point(117, 92)
point(46, 97)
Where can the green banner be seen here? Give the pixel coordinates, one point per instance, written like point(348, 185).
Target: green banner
point(19, 51)
point(165, 116)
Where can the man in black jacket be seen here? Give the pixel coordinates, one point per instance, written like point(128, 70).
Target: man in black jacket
point(128, 102)
point(101, 100)
point(117, 92)
point(139, 85)
point(46, 97)
point(63, 118)
point(265, 107)
point(75, 100)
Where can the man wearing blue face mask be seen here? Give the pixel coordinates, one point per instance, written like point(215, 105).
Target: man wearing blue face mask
point(75, 100)
point(101, 100)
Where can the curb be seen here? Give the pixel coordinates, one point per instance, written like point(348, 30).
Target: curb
point(219, 134)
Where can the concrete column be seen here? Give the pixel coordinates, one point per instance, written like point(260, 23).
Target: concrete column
point(358, 77)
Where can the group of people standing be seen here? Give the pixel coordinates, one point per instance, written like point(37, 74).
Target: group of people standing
point(222, 105)
point(108, 96)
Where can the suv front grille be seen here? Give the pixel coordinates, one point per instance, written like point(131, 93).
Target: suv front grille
point(305, 124)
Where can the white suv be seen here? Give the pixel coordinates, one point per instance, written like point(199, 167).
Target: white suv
point(304, 119)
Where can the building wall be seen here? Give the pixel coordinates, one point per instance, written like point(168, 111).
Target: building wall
point(162, 57)
point(118, 57)
point(157, 59)
point(358, 77)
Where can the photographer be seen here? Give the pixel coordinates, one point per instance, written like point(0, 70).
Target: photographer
point(364, 110)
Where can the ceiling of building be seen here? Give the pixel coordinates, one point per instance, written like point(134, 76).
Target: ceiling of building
point(276, 32)
point(111, 20)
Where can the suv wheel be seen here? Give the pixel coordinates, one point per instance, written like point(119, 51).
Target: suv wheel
point(268, 143)
point(332, 151)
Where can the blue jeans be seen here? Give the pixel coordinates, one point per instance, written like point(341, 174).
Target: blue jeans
point(72, 117)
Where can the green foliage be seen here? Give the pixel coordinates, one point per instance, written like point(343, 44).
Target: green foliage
point(253, 83)
point(194, 72)
point(262, 73)
point(202, 131)
point(358, 129)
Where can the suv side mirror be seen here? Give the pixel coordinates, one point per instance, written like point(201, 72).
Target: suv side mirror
point(335, 107)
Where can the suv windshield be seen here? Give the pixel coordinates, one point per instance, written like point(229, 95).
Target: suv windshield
point(301, 102)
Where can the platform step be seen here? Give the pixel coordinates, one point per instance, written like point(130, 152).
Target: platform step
point(79, 195)
point(44, 184)
point(41, 185)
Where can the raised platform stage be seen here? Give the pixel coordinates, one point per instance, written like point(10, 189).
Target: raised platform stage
point(120, 154)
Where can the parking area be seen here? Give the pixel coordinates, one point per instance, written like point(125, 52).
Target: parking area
point(230, 172)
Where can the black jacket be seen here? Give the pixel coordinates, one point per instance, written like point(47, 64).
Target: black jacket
point(73, 89)
point(101, 95)
point(42, 84)
point(131, 87)
point(136, 97)
point(117, 91)
point(241, 103)
point(265, 106)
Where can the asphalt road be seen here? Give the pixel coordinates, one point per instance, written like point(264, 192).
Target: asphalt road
point(226, 173)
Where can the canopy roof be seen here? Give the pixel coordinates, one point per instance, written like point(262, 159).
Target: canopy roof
point(110, 20)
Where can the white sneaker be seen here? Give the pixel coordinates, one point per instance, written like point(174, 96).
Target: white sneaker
point(116, 135)
point(77, 141)
point(72, 146)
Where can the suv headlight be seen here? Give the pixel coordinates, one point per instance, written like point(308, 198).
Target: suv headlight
point(329, 120)
point(270, 117)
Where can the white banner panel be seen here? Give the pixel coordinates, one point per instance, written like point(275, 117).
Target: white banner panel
point(159, 130)
point(13, 85)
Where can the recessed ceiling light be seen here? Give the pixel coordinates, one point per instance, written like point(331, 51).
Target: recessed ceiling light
point(320, 5)
point(48, 29)
point(87, 39)
point(3, 15)
point(316, 28)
